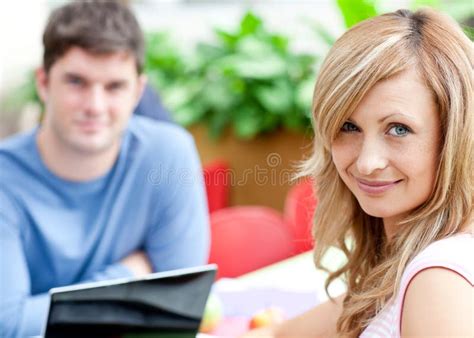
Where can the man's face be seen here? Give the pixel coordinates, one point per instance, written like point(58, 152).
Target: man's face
point(89, 99)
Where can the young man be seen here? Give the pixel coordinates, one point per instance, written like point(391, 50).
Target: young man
point(93, 193)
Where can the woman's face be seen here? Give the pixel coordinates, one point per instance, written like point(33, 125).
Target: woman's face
point(387, 151)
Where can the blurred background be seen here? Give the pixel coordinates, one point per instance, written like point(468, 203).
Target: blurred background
point(238, 74)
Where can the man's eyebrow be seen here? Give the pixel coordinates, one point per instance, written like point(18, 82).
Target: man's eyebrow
point(381, 120)
point(117, 82)
point(70, 75)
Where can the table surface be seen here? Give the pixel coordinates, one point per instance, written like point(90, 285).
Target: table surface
point(298, 273)
point(294, 285)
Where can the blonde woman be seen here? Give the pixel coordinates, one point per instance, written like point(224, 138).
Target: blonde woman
point(393, 161)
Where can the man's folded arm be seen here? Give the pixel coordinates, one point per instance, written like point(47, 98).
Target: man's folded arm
point(112, 271)
point(21, 314)
point(180, 238)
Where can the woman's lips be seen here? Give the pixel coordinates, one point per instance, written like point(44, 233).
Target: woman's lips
point(376, 187)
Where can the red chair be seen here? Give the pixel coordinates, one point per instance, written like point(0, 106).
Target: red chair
point(300, 204)
point(217, 181)
point(248, 238)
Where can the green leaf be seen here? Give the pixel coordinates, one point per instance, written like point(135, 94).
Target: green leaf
point(228, 39)
point(178, 95)
point(218, 96)
point(461, 10)
point(270, 122)
point(189, 114)
point(280, 42)
point(250, 24)
point(237, 86)
point(210, 52)
point(276, 97)
point(297, 121)
point(218, 121)
point(254, 47)
point(355, 11)
point(424, 3)
point(247, 122)
point(21, 95)
point(323, 33)
point(157, 79)
point(469, 32)
point(304, 94)
point(263, 68)
point(300, 66)
point(160, 50)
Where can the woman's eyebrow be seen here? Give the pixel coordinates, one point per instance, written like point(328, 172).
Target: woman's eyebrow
point(396, 114)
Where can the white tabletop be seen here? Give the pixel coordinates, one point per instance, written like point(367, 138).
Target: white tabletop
point(298, 273)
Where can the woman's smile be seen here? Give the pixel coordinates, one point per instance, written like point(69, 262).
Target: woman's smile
point(376, 187)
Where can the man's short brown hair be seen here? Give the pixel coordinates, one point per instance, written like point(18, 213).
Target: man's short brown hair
point(99, 27)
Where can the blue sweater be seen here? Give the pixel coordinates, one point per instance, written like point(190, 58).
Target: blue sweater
point(55, 232)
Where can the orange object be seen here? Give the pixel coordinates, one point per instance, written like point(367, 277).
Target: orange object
point(266, 317)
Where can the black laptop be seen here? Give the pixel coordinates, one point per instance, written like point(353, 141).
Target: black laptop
point(163, 305)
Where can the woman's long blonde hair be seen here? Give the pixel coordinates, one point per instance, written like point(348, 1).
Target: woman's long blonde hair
point(371, 51)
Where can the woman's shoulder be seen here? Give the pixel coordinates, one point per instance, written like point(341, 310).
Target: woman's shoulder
point(453, 253)
point(434, 296)
point(450, 254)
point(437, 302)
point(456, 244)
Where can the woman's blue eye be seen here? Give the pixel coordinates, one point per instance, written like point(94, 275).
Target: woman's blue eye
point(349, 127)
point(399, 130)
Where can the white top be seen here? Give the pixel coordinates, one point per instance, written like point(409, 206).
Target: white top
point(450, 253)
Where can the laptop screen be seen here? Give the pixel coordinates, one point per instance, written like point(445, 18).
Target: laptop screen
point(162, 305)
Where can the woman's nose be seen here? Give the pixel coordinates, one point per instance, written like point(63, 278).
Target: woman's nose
point(372, 157)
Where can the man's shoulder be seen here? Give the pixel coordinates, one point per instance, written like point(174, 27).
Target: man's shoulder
point(156, 130)
point(161, 138)
point(16, 163)
point(17, 142)
point(17, 149)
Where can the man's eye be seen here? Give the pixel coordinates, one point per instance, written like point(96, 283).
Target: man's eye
point(399, 130)
point(75, 81)
point(349, 127)
point(116, 86)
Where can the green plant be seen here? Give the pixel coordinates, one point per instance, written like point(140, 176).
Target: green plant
point(23, 94)
point(355, 11)
point(248, 79)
